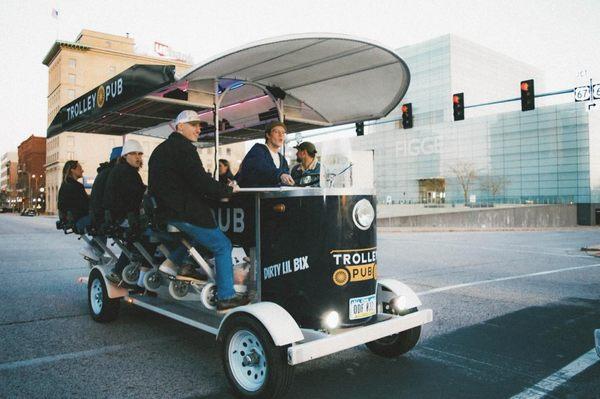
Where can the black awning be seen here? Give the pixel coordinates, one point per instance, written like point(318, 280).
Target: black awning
point(114, 107)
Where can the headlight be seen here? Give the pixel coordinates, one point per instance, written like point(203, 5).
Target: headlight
point(398, 303)
point(332, 320)
point(363, 214)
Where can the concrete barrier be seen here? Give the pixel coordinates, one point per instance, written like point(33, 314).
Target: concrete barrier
point(522, 216)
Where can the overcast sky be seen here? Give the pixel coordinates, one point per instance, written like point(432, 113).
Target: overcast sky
point(559, 37)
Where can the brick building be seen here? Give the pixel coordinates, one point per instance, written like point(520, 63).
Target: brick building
point(31, 178)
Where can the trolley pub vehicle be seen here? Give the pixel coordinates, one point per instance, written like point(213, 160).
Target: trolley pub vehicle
point(310, 252)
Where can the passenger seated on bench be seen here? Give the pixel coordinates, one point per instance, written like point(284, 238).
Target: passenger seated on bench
point(263, 165)
point(97, 194)
point(73, 199)
point(123, 195)
point(181, 186)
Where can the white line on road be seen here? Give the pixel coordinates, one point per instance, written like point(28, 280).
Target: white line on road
point(74, 355)
point(563, 375)
point(453, 287)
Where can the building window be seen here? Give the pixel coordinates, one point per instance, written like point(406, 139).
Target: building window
point(71, 94)
point(112, 69)
point(72, 78)
point(70, 155)
point(70, 141)
point(228, 151)
point(72, 62)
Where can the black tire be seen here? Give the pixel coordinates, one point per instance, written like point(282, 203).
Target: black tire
point(104, 309)
point(278, 373)
point(397, 344)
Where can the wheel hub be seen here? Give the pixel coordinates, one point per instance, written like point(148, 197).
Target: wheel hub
point(247, 360)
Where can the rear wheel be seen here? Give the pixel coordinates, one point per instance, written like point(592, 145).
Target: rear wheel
point(102, 308)
point(254, 366)
point(397, 344)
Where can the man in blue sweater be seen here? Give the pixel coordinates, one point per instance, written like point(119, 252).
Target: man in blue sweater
point(263, 165)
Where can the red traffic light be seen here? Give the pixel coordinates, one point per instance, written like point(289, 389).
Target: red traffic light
point(404, 109)
point(455, 99)
point(524, 86)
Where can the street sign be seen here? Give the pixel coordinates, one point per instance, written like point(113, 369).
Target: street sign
point(582, 93)
point(596, 92)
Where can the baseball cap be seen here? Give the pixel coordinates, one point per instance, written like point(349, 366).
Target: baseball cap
point(187, 116)
point(308, 146)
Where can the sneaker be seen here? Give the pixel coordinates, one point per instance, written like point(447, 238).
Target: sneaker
point(89, 253)
point(114, 277)
point(237, 300)
point(597, 339)
point(187, 272)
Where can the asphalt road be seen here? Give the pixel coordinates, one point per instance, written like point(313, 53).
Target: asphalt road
point(501, 324)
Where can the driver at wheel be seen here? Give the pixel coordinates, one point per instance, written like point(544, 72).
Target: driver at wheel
point(181, 187)
point(263, 165)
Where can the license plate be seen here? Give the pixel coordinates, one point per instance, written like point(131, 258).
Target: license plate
point(362, 307)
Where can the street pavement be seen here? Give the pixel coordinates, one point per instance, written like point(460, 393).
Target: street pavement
point(510, 310)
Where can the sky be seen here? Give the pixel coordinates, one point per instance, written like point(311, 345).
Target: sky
point(559, 37)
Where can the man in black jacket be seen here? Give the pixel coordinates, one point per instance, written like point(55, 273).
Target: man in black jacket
point(123, 195)
point(181, 187)
point(97, 194)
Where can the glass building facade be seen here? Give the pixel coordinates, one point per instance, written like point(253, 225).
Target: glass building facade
point(504, 155)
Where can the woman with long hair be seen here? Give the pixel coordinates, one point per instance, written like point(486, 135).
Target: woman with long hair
point(225, 175)
point(73, 200)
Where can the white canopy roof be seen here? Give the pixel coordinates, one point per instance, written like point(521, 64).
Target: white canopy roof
point(329, 79)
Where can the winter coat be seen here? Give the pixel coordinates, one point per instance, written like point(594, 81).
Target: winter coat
point(259, 170)
point(124, 191)
point(180, 184)
point(72, 198)
point(97, 194)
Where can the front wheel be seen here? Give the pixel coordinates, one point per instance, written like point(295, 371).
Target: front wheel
point(254, 366)
point(397, 344)
point(102, 308)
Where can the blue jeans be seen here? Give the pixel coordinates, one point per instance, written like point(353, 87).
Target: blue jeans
point(219, 245)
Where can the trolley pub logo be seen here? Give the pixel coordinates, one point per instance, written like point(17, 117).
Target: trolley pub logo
point(354, 265)
point(96, 99)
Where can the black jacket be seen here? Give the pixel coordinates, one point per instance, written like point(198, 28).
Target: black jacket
point(181, 186)
point(72, 198)
point(124, 191)
point(97, 194)
point(259, 170)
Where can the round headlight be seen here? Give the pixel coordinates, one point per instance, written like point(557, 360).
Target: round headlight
point(332, 320)
point(363, 214)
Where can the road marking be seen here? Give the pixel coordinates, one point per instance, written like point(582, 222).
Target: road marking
point(75, 355)
point(453, 287)
point(563, 375)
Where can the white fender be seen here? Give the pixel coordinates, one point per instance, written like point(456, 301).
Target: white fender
point(281, 326)
point(112, 290)
point(387, 288)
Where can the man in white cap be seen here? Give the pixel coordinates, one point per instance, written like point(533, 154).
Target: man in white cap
point(123, 195)
point(181, 186)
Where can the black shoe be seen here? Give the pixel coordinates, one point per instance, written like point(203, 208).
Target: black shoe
point(237, 300)
point(114, 277)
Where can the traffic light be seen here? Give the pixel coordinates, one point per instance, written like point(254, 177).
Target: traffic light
point(527, 95)
point(458, 104)
point(407, 117)
point(360, 128)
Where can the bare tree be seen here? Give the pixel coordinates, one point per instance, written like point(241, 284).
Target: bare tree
point(494, 185)
point(465, 175)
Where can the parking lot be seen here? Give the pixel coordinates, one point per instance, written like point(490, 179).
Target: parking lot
point(514, 313)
